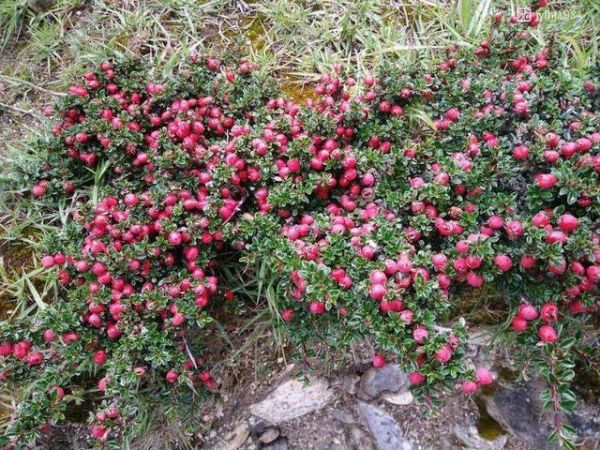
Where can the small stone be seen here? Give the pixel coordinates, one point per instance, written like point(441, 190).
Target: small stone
point(293, 399)
point(337, 446)
point(519, 410)
point(279, 444)
point(401, 398)
point(344, 416)
point(388, 378)
point(339, 443)
point(470, 438)
point(350, 383)
point(384, 428)
point(249, 444)
point(269, 435)
point(586, 420)
point(360, 440)
point(237, 438)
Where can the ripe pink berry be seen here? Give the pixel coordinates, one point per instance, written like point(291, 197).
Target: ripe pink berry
point(549, 313)
point(100, 357)
point(496, 222)
point(177, 319)
point(377, 277)
point(484, 376)
point(503, 262)
point(35, 358)
point(171, 376)
point(317, 307)
point(540, 220)
point(527, 312)
point(48, 261)
point(593, 274)
point(287, 315)
point(416, 378)
point(443, 354)
point(547, 334)
point(546, 180)
point(377, 292)
point(521, 152)
point(568, 223)
point(519, 324)
point(6, 349)
point(552, 139)
point(439, 261)
point(49, 335)
point(527, 261)
point(378, 361)
point(514, 229)
point(469, 387)
point(175, 238)
point(420, 334)
point(99, 432)
point(474, 279)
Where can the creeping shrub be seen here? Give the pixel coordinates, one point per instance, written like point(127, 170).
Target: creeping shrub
point(377, 205)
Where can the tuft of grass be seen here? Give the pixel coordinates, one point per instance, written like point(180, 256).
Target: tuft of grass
point(13, 14)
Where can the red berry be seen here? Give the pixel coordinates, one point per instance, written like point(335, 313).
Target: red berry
point(547, 334)
point(519, 324)
point(377, 292)
point(317, 307)
point(521, 152)
point(100, 357)
point(469, 387)
point(175, 238)
point(527, 312)
point(484, 377)
point(48, 261)
point(171, 376)
point(568, 223)
point(287, 315)
point(378, 361)
point(503, 262)
point(549, 313)
point(420, 334)
point(416, 378)
point(444, 354)
point(99, 432)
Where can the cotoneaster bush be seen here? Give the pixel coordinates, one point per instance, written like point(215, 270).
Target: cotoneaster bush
point(377, 205)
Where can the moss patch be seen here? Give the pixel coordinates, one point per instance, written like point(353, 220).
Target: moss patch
point(14, 258)
point(296, 91)
point(487, 427)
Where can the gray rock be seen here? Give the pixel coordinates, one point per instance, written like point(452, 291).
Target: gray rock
point(586, 420)
point(344, 416)
point(279, 444)
point(360, 440)
point(293, 399)
point(401, 398)
point(388, 378)
point(384, 428)
point(237, 437)
point(470, 438)
point(269, 435)
point(339, 443)
point(350, 383)
point(519, 410)
point(338, 446)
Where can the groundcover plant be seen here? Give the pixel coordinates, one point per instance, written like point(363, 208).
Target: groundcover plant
point(375, 205)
